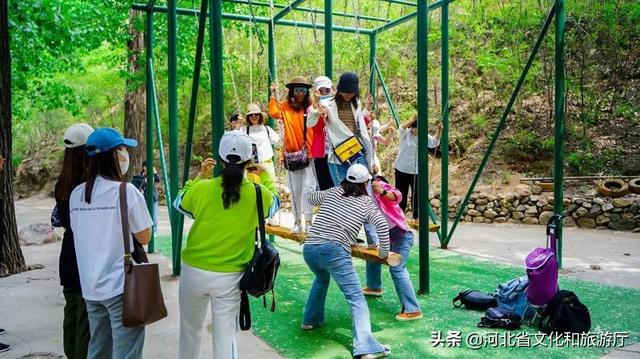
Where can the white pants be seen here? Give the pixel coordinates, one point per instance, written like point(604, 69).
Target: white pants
point(197, 289)
point(302, 183)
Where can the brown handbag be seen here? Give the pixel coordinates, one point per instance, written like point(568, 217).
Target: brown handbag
point(142, 300)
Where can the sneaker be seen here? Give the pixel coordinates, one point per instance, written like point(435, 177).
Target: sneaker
point(385, 353)
point(403, 317)
point(273, 221)
point(307, 327)
point(2, 331)
point(372, 292)
point(307, 226)
point(4, 347)
point(297, 228)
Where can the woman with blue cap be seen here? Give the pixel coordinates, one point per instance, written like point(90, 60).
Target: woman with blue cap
point(97, 227)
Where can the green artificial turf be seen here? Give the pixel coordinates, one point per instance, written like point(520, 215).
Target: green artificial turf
point(613, 309)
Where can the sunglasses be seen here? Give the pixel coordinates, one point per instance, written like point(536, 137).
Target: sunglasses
point(324, 91)
point(300, 90)
point(254, 115)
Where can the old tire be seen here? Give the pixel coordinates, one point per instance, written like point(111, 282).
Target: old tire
point(634, 185)
point(612, 188)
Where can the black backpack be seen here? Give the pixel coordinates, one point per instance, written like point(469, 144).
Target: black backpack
point(565, 314)
point(500, 318)
point(475, 300)
point(260, 276)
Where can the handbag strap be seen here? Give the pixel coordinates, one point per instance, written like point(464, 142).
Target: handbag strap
point(304, 124)
point(263, 236)
point(124, 220)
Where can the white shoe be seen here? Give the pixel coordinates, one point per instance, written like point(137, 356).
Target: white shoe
point(297, 228)
point(307, 226)
point(273, 221)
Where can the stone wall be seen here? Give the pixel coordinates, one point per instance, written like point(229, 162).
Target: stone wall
point(620, 214)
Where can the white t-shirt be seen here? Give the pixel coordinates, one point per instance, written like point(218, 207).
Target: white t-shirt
point(264, 141)
point(408, 150)
point(97, 231)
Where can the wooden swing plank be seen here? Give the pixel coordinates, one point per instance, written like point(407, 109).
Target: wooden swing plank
point(366, 253)
point(413, 223)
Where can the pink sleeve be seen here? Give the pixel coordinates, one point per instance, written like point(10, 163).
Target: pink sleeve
point(395, 191)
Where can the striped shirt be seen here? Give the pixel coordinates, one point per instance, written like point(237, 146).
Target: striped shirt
point(341, 218)
point(345, 114)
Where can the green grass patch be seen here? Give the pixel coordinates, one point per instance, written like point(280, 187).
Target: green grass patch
point(612, 309)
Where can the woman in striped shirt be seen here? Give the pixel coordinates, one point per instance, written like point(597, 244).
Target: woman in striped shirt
point(327, 252)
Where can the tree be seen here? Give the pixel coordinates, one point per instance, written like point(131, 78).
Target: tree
point(135, 97)
point(11, 258)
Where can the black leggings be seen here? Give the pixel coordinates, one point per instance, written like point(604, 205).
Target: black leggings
point(403, 182)
point(322, 173)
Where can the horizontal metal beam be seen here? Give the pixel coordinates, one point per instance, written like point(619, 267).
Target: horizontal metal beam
point(400, 2)
point(287, 9)
point(257, 19)
point(310, 10)
point(402, 20)
point(151, 4)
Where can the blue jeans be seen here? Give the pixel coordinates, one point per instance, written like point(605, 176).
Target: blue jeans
point(109, 339)
point(399, 274)
point(330, 259)
point(338, 174)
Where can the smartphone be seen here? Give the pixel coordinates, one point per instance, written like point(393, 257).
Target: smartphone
point(138, 181)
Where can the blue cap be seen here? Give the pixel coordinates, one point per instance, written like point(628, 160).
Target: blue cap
point(106, 139)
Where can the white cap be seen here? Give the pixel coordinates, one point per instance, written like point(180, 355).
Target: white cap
point(322, 81)
point(76, 135)
point(236, 143)
point(358, 174)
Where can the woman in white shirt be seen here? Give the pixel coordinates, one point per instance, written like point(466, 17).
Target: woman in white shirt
point(406, 165)
point(94, 208)
point(264, 137)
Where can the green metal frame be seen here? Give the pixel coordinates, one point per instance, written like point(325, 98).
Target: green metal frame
point(422, 8)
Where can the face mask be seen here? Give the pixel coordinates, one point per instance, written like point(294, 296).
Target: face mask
point(124, 163)
point(324, 97)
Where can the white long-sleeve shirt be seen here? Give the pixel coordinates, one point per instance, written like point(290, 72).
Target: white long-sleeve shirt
point(265, 138)
point(408, 151)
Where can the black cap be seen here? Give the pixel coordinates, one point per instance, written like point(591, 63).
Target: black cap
point(349, 83)
point(235, 116)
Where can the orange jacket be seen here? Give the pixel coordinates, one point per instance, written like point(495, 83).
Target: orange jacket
point(293, 125)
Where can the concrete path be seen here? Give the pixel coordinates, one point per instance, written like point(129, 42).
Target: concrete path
point(33, 302)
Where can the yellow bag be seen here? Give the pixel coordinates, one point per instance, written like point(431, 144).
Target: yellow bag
point(347, 149)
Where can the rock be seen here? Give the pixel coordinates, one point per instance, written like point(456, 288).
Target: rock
point(572, 208)
point(600, 228)
point(617, 210)
point(474, 213)
point(598, 201)
point(468, 219)
point(490, 205)
point(602, 220)
point(607, 207)
point(482, 201)
point(544, 217)
point(530, 220)
point(542, 203)
point(525, 193)
point(491, 214)
point(504, 203)
point(524, 200)
point(535, 189)
point(587, 205)
point(595, 210)
point(516, 203)
point(547, 208)
point(615, 217)
point(499, 220)
point(581, 212)
point(635, 208)
point(517, 215)
point(491, 198)
point(478, 220)
point(568, 222)
point(622, 225)
point(37, 234)
point(531, 211)
point(482, 196)
point(454, 201)
point(534, 199)
point(637, 230)
point(481, 208)
point(488, 221)
point(514, 221)
point(578, 201)
point(521, 208)
point(621, 202)
point(594, 267)
point(586, 223)
point(435, 203)
point(470, 206)
point(566, 202)
point(627, 215)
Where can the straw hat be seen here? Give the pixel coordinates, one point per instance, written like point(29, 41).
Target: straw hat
point(253, 109)
point(298, 81)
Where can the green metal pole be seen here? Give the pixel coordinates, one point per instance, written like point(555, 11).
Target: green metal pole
point(217, 79)
point(328, 38)
point(392, 107)
point(503, 121)
point(202, 21)
point(174, 155)
point(423, 168)
point(288, 9)
point(372, 64)
point(444, 140)
point(149, 125)
point(558, 160)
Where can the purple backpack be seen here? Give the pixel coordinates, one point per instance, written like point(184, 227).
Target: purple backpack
point(542, 268)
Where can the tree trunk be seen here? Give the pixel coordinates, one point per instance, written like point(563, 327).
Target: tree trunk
point(135, 97)
point(11, 258)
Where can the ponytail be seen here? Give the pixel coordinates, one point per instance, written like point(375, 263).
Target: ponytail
point(232, 177)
